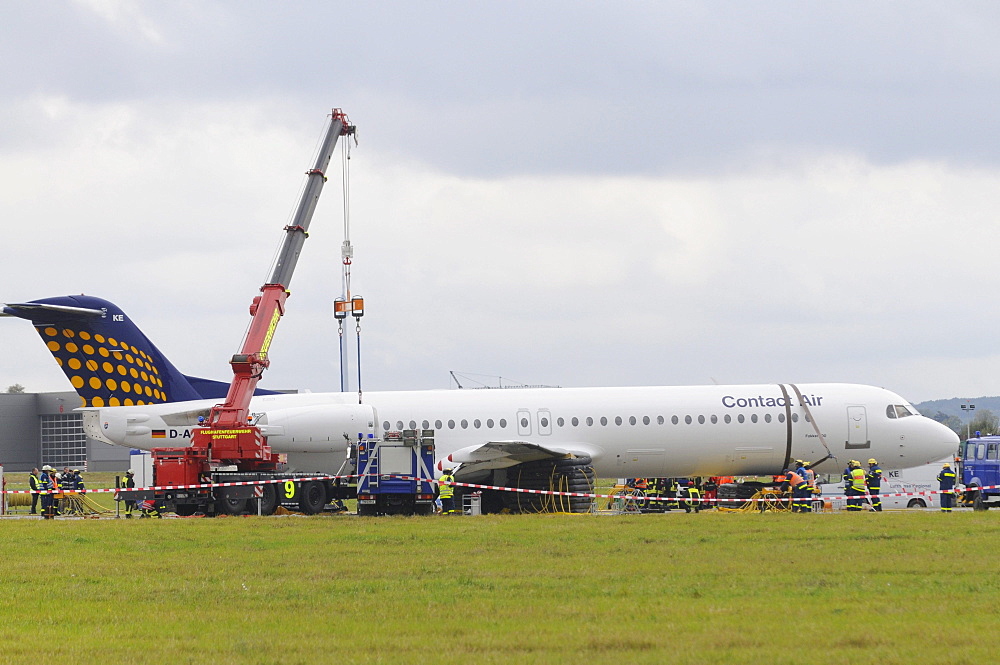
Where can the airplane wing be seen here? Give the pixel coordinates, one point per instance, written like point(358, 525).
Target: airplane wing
point(503, 454)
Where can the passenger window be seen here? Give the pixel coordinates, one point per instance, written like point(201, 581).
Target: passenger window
point(795, 417)
point(385, 426)
point(618, 420)
point(631, 420)
point(645, 420)
point(753, 418)
point(590, 421)
point(503, 423)
point(451, 424)
point(604, 421)
point(524, 423)
point(413, 424)
point(767, 417)
point(659, 420)
point(399, 424)
point(781, 417)
point(437, 424)
point(687, 420)
point(991, 451)
point(465, 424)
point(674, 420)
point(728, 418)
point(890, 411)
point(489, 423)
point(740, 418)
point(970, 450)
point(701, 420)
point(575, 421)
point(981, 451)
point(560, 421)
point(477, 423)
point(425, 425)
point(544, 422)
point(715, 419)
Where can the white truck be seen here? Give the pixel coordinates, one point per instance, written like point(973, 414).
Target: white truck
point(905, 481)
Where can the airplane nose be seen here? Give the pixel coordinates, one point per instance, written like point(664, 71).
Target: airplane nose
point(940, 441)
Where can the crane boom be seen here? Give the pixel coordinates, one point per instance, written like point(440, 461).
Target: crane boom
point(227, 430)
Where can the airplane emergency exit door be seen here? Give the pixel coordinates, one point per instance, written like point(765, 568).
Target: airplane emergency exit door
point(857, 429)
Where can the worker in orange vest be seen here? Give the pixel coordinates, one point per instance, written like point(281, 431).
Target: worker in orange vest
point(797, 484)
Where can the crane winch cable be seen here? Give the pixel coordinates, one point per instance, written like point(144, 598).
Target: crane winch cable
point(347, 254)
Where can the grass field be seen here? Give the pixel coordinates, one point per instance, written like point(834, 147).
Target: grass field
point(905, 587)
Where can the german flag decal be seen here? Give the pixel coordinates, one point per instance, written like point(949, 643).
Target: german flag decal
point(159, 433)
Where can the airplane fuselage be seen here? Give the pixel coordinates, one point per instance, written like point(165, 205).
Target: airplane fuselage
point(629, 432)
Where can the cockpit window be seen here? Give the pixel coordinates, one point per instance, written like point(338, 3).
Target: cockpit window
point(899, 411)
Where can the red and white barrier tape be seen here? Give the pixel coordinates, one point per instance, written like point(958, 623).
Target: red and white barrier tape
point(626, 495)
point(616, 495)
point(180, 487)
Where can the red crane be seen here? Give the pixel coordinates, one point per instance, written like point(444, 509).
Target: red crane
point(227, 436)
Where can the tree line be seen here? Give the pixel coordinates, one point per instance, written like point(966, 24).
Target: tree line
point(985, 423)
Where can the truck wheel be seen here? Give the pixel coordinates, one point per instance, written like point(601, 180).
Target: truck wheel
point(225, 505)
point(366, 510)
point(916, 503)
point(978, 503)
point(186, 509)
point(313, 497)
point(270, 501)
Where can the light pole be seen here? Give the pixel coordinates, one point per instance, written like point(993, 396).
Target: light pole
point(968, 408)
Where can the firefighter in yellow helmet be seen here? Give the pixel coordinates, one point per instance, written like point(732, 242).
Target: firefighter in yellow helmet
point(946, 480)
point(874, 481)
point(857, 488)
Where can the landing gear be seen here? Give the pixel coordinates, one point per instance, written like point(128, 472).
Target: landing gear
point(572, 475)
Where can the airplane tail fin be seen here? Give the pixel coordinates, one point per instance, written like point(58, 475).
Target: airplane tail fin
point(105, 356)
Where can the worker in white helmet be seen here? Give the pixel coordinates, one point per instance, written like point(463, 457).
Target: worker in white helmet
point(46, 484)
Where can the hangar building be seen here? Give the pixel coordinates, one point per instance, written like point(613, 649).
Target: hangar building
point(42, 428)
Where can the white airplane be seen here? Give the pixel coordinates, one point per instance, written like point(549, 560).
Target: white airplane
point(133, 396)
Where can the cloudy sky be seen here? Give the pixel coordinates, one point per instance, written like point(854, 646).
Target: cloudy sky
point(563, 193)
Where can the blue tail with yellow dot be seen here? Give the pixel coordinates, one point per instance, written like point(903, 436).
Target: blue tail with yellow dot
point(105, 356)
